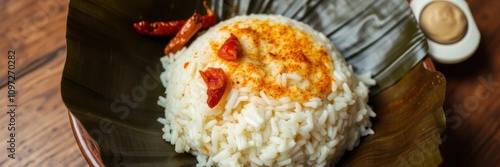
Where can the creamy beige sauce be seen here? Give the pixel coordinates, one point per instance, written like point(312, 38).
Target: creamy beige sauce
point(443, 22)
point(271, 49)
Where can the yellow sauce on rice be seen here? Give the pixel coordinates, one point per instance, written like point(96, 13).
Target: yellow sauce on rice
point(271, 50)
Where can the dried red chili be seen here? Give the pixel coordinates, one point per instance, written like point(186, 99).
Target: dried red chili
point(210, 19)
point(231, 49)
point(216, 81)
point(167, 28)
point(182, 37)
point(170, 28)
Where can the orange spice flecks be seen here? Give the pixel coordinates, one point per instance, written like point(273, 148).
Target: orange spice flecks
point(206, 149)
point(271, 49)
point(186, 64)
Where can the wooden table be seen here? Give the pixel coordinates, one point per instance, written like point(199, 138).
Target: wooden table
point(472, 101)
point(36, 31)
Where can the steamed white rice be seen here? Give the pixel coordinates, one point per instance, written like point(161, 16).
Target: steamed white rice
point(251, 128)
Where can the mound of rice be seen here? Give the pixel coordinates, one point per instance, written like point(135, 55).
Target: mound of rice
point(291, 98)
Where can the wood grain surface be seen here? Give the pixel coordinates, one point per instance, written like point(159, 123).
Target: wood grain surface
point(472, 103)
point(36, 31)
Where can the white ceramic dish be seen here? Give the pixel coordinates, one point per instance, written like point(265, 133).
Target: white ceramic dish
point(460, 50)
